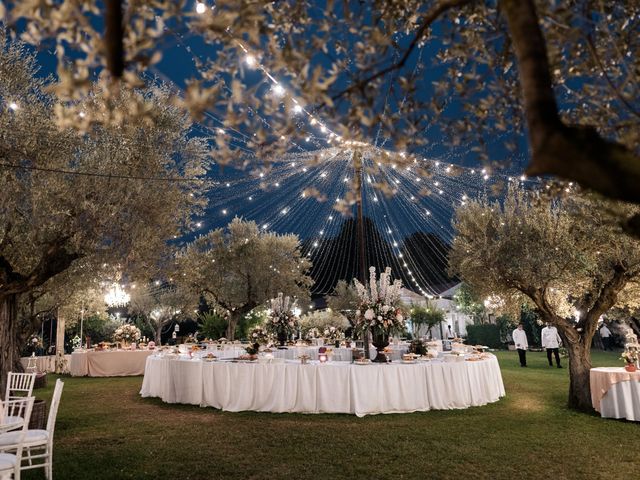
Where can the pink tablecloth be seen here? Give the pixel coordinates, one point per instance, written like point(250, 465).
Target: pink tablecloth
point(118, 363)
point(602, 378)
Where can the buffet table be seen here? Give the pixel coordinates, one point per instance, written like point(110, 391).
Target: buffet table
point(109, 363)
point(615, 393)
point(333, 387)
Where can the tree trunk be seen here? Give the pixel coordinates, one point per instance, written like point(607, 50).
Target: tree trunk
point(579, 381)
point(234, 318)
point(158, 334)
point(9, 334)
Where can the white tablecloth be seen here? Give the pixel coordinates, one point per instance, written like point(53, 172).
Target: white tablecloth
point(46, 363)
point(335, 387)
point(113, 363)
point(615, 393)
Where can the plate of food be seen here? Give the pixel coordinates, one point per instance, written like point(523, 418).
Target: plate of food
point(362, 361)
point(209, 357)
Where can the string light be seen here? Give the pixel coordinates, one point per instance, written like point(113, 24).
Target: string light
point(200, 8)
point(13, 106)
point(250, 60)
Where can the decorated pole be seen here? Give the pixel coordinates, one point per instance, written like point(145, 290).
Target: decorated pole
point(60, 324)
point(362, 259)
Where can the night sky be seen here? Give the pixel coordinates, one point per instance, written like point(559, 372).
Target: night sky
point(275, 201)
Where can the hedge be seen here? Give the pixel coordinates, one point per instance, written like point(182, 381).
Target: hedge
point(488, 335)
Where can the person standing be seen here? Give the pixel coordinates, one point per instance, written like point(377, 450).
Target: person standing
point(551, 342)
point(520, 339)
point(605, 334)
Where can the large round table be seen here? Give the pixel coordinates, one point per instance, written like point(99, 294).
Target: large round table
point(334, 387)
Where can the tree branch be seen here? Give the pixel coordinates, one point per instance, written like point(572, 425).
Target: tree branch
point(574, 153)
point(614, 88)
point(430, 17)
point(113, 35)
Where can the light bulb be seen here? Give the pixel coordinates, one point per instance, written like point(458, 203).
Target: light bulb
point(278, 90)
point(250, 60)
point(13, 106)
point(200, 7)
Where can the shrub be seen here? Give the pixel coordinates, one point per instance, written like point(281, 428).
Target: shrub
point(488, 335)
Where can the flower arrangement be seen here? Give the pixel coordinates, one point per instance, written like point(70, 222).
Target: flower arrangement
point(34, 342)
point(260, 336)
point(282, 320)
point(379, 310)
point(629, 356)
point(127, 333)
point(332, 334)
point(75, 342)
point(253, 348)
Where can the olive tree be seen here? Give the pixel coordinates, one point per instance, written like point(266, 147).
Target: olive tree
point(160, 305)
point(112, 195)
point(240, 267)
point(568, 259)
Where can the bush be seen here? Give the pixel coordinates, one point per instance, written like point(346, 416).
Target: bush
point(488, 335)
point(212, 325)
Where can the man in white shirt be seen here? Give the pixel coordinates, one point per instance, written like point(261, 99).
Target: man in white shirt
point(520, 339)
point(551, 341)
point(605, 334)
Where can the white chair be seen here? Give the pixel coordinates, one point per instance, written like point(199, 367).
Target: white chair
point(20, 385)
point(10, 462)
point(38, 444)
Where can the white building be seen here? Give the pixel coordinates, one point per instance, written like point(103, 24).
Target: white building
point(444, 301)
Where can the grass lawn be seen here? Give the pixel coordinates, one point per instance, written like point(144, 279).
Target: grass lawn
point(106, 431)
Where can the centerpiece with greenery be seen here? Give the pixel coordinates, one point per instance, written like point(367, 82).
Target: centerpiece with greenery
point(282, 321)
point(380, 311)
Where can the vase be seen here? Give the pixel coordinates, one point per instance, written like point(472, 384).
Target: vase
point(380, 341)
point(630, 367)
point(282, 338)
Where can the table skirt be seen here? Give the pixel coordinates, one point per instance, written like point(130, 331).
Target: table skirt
point(120, 363)
point(335, 387)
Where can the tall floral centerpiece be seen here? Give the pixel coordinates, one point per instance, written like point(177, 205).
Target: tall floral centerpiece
point(379, 311)
point(631, 354)
point(282, 322)
point(126, 334)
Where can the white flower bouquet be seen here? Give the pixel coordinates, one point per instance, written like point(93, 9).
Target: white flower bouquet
point(127, 333)
point(333, 334)
point(282, 320)
point(379, 310)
